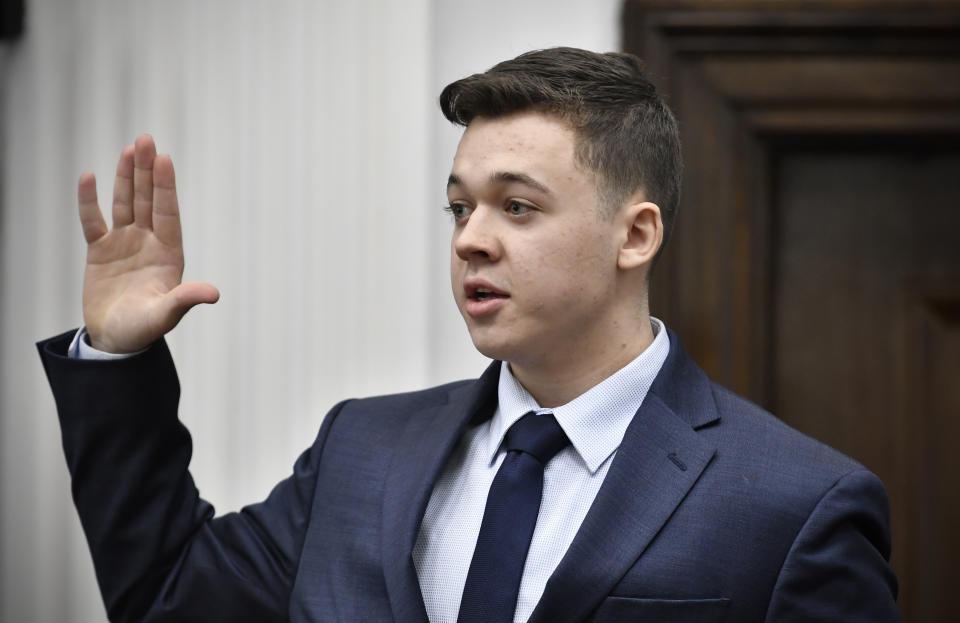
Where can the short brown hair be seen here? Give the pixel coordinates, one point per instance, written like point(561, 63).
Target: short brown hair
point(626, 135)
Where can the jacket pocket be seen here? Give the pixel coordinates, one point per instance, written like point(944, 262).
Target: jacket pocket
point(630, 609)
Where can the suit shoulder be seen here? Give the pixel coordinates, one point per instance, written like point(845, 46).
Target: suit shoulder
point(379, 421)
point(410, 401)
point(773, 443)
point(776, 477)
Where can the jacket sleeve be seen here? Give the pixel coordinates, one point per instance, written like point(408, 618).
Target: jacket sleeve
point(159, 553)
point(837, 568)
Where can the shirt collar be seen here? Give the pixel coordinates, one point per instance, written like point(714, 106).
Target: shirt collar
point(594, 421)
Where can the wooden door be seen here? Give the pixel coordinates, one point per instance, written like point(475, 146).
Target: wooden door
point(816, 263)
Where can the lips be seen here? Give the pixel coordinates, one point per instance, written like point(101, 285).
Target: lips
point(481, 290)
point(482, 297)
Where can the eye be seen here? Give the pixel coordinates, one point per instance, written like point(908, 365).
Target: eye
point(458, 211)
point(515, 208)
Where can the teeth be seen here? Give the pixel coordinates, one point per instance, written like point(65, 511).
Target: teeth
point(482, 294)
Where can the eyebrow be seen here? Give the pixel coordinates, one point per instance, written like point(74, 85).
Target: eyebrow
point(505, 177)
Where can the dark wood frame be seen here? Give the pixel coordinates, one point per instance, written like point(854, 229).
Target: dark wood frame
point(746, 79)
point(753, 81)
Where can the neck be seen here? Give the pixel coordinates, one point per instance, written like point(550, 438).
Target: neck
point(565, 373)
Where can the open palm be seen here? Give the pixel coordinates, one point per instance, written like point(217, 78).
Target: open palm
point(132, 294)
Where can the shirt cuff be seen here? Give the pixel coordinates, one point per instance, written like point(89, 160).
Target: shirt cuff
point(81, 349)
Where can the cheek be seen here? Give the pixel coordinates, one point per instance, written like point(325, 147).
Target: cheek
point(457, 267)
point(555, 279)
point(583, 272)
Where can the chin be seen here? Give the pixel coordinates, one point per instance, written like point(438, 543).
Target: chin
point(493, 346)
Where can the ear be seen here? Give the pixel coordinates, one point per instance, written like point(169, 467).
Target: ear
point(644, 234)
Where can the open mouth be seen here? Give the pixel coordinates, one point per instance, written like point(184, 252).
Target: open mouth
point(482, 297)
point(485, 294)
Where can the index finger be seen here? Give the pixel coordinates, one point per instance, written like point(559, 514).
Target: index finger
point(166, 208)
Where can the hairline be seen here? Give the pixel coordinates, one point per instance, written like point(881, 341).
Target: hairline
point(609, 198)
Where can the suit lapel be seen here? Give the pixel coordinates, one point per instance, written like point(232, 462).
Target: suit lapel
point(419, 456)
point(659, 460)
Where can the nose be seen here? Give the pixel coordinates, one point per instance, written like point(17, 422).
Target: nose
point(477, 237)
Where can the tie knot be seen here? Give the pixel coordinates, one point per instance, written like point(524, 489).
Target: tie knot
point(537, 435)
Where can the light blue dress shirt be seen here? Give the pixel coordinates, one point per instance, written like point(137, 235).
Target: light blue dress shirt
point(595, 422)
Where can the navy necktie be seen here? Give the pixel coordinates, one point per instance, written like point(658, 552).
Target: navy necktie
point(493, 581)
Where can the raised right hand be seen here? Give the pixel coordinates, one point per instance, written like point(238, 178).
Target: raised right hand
point(132, 294)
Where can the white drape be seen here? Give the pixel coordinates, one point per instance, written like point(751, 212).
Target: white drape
point(310, 162)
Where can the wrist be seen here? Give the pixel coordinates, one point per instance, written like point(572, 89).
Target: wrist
point(85, 347)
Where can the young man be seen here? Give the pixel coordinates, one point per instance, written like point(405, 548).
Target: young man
point(592, 473)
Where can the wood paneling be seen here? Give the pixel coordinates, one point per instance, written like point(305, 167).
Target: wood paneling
point(932, 358)
point(816, 263)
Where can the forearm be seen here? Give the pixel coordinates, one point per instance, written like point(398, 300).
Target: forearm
point(128, 456)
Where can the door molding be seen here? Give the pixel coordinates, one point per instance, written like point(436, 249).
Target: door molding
point(747, 81)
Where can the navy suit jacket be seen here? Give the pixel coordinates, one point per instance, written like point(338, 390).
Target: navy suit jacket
point(712, 510)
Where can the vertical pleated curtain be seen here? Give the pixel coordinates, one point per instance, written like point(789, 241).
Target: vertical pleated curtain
point(310, 160)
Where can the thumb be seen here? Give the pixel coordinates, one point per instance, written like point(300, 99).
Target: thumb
point(179, 300)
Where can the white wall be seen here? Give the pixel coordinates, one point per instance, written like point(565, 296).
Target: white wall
point(311, 160)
